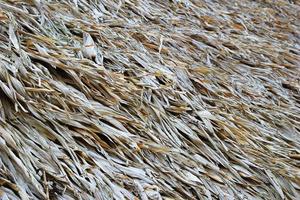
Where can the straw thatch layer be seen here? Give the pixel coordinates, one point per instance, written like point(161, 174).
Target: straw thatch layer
point(149, 99)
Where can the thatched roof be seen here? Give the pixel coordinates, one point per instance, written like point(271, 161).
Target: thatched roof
point(149, 99)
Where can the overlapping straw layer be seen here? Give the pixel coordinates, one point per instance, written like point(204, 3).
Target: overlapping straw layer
point(149, 99)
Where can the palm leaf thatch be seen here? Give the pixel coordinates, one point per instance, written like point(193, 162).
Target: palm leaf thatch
point(149, 99)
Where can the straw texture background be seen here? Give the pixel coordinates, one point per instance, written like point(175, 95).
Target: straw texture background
point(149, 99)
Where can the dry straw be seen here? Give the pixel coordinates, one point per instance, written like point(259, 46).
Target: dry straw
point(149, 99)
